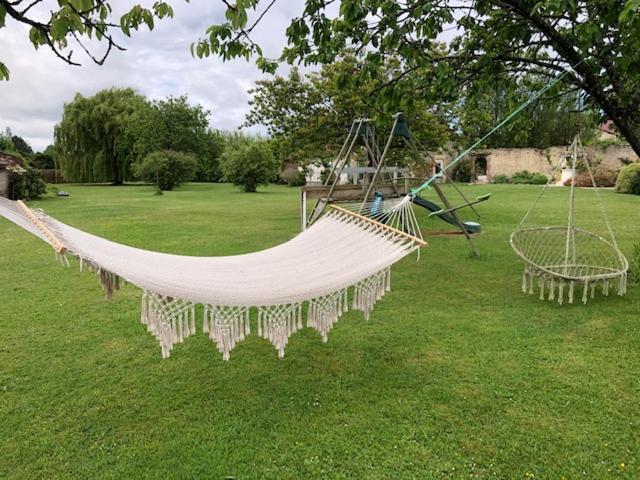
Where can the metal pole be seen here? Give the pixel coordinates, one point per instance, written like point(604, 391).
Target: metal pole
point(381, 162)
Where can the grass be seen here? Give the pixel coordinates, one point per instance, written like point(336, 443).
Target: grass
point(456, 375)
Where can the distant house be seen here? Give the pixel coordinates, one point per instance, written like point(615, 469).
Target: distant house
point(7, 162)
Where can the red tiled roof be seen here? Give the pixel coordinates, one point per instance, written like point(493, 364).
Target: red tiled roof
point(8, 160)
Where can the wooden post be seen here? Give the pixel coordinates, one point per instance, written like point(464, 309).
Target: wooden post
point(57, 245)
point(457, 218)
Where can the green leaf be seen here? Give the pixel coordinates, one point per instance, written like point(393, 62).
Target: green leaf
point(4, 72)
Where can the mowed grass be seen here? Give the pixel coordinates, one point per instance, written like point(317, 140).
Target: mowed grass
point(456, 375)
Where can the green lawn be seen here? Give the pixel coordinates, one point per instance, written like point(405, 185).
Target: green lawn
point(456, 375)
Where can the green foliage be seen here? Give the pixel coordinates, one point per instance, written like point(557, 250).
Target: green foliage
point(463, 172)
point(249, 166)
point(629, 179)
point(175, 124)
point(500, 179)
point(91, 138)
point(494, 39)
point(634, 264)
point(22, 147)
point(166, 169)
point(300, 180)
point(45, 160)
point(539, 179)
point(26, 184)
point(526, 177)
point(309, 116)
point(6, 143)
point(549, 122)
point(84, 22)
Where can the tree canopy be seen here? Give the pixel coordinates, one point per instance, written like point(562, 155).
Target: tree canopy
point(598, 39)
point(74, 23)
point(309, 115)
point(175, 124)
point(100, 137)
point(91, 136)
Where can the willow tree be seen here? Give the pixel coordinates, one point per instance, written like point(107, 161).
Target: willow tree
point(91, 138)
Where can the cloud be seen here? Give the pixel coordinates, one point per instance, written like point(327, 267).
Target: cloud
point(156, 63)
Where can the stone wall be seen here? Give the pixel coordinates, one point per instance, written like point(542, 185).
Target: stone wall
point(4, 183)
point(507, 161)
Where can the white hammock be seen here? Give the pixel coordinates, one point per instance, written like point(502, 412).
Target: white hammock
point(343, 249)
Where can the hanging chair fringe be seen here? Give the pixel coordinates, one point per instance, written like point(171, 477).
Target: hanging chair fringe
point(552, 288)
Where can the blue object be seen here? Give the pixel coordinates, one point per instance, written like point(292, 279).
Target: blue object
point(377, 203)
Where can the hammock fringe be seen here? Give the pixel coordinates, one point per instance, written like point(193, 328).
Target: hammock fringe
point(171, 320)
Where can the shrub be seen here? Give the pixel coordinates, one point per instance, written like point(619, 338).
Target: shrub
point(605, 177)
point(26, 184)
point(501, 179)
point(629, 179)
point(166, 168)
point(463, 172)
point(583, 179)
point(522, 177)
point(249, 166)
point(539, 179)
point(300, 180)
point(602, 176)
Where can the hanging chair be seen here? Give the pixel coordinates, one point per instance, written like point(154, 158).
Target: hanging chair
point(568, 260)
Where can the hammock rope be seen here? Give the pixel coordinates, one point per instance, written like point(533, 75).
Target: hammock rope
point(345, 253)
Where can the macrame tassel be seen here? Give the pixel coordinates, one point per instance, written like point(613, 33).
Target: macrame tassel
point(192, 323)
point(227, 326)
point(324, 312)
point(205, 320)
point(561, 292)
point(368, 292)
point(541, 286)
point(167, 319)
point(110, 282)
point(279, 323)
point(622, 286)
point(531, 281)
point(388, 285)
point(571, 286)
point(585, 292)
point(524, 282)
point(144, 309)
point(552, 288)
point(593, 289)
point(81, 264)
point(605, 288)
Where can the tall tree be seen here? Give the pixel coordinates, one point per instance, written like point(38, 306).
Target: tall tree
point(177, 125)
point(90, 138)
point(310, 115)
point(552, 121)
point(599, 39)
point(22, 146)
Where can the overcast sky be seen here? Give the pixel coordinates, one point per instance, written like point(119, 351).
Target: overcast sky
point(156, 63)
